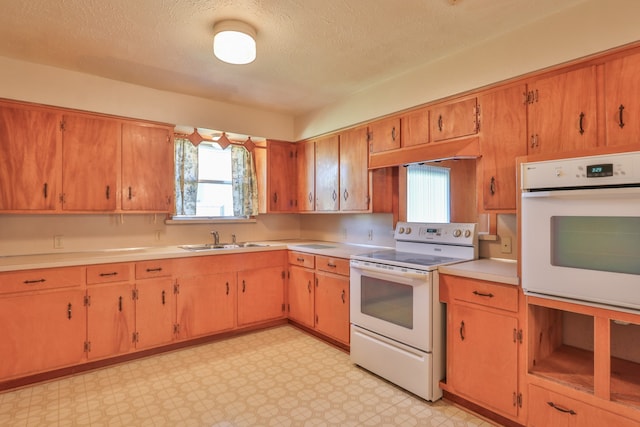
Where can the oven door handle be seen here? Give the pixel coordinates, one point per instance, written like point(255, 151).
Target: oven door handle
point(395, 275)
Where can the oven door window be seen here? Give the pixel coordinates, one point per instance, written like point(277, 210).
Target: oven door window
point(387, 300)
point(596, 243)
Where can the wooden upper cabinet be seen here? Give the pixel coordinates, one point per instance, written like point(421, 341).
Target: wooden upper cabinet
point(454, 119)
point(90, 152)
point(354, 172)
point(327, 173)
point(622, 100)
point(29, 158)
point(503, 137)
point(147, 168)
point(562, 112)
point(306, 156)
point(384, 135)
point(414, 127)
point(281, 176)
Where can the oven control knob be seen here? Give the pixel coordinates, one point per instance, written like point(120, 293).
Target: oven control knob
point(467, 233)
point(457, 232)
point(408, 230)
point(401, 230)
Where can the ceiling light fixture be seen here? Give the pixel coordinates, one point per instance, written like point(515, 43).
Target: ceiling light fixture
point(234, 42)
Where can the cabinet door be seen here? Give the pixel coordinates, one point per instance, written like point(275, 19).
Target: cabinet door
point(354, 172)
point(155, 312)
point(110, 320)
point(260, 295)
point(503, 137)
point(42, 332)
point(300, 294)
point(453, 120)
point(622, 101)
point(415, 127)
point(147, 168)
point(384, 135)
point(306, 176)
point(29, 159)
point(332, 306)
point(281, 176)
point(90, 152)
point(327, 173)
point(562, 112)
point(482, 357)
point(206, 304)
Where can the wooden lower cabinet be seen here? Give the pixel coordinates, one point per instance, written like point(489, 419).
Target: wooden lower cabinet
point(155, 312)
point(206, 304)
point(301, 295)
point(260, 295)
point(547, 408)
point(41, 332)
point(332, 306)
point(110, 320)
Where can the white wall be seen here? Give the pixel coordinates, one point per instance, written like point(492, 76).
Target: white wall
point(590, 27)
point(53, 86)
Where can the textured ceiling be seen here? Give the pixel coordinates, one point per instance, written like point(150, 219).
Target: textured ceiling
point(311, 53)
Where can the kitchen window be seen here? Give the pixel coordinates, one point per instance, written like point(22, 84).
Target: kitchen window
point(214, 182)
point(428, 190)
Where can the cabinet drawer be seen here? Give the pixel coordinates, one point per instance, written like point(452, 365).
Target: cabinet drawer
point(107, 273)
point(503, 297)
point(154, 268)
point(40, 279)
point(302, 259)
point(547, 408)
point(333, 265)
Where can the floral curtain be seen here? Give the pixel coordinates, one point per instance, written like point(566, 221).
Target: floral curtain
point(186, 180)
point(244, 182)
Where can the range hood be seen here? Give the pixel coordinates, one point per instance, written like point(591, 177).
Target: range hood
point(467, 148)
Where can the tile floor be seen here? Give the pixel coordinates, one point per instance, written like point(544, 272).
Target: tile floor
point(276, 377)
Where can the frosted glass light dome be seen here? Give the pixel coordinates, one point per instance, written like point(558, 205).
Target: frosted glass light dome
point(234, 42)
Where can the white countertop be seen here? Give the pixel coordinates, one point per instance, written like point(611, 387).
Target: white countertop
point(67, 259)
point(490, 269)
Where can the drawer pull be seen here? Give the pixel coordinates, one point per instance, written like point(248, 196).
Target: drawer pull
point(481, 294)
point(620, 118)
point(462, 330)
point(69, 311)
point(31, 282)
point(154, 270)
point(244, 286)
point(343, 296)
point(113, 273)
point(300, 259)
point(309, 286)
point(561, 409)
point(164, 300)
point(120, 303)
point(332, 265)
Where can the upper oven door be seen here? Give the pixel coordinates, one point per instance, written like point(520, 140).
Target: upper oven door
point(394, 304)
point(583, 245)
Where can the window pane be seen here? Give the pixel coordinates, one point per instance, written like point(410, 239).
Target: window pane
point(427, 194)
point(214, 163)
point(214, 200)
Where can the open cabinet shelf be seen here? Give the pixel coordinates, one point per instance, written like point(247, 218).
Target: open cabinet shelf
point(568, 365)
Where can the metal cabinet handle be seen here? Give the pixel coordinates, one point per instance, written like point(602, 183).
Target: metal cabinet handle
point(113, 273)
point(310, 197)
point(330, 264)
point(393, 133)
point(620, 118)
point(561, 409)
point(343, 296)
point(334, 195)
point(31, 282)
point(120, 303)
point(108, 192)
point(440, 124)
point(309, 286)
point(275, 197)
point(45, 190)
point(345, 194)
point(164, 297)
point(492, 185)
point(244, 286)
point(300, 259)
point(227, 288)
point(154, 270)
point(580, 123)
point(480, 294)
point(69, 311)
point(462, 330)
point(130, 194)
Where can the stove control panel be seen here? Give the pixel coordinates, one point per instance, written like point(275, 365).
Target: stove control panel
point(452, 233)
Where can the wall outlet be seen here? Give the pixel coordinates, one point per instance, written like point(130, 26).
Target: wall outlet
point(506, 245)
point(58, 242)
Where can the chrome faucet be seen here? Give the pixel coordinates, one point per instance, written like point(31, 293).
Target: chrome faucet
point(216, 237)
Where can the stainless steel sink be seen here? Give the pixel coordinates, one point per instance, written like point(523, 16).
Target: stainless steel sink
point(211, 246)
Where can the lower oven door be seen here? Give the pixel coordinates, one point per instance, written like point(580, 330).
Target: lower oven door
point(582, 245)
point(395, 304)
